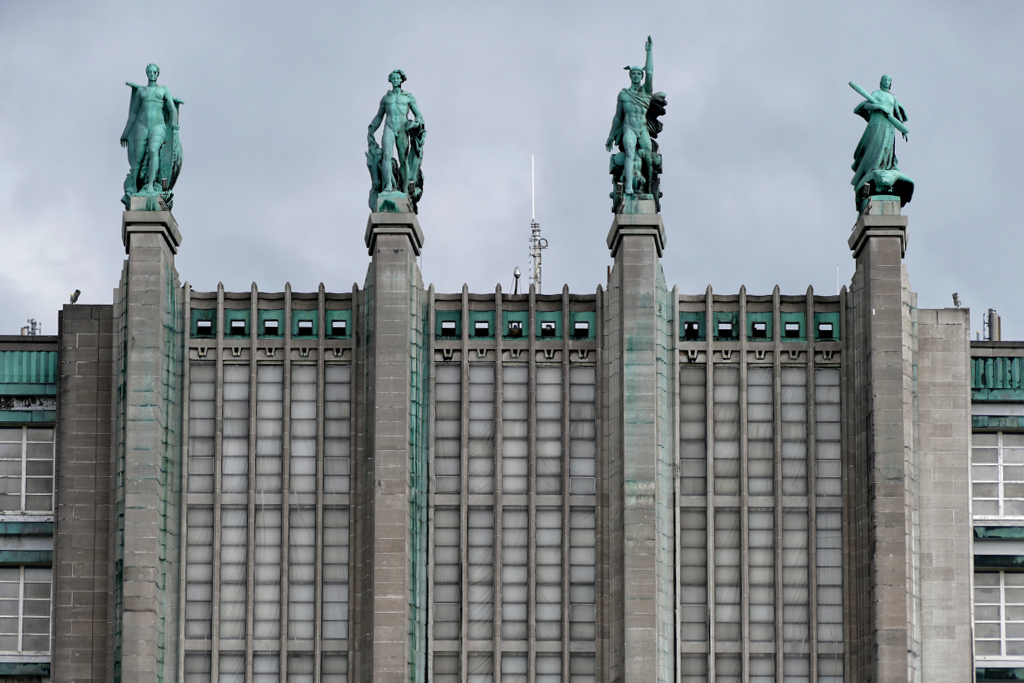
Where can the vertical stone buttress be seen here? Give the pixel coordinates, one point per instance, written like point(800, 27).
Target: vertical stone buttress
point(147, 399)
point(82, 567)
point(638, 315)
point(392, 624)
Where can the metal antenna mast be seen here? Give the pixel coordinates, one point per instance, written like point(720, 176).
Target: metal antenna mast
point(537, 243)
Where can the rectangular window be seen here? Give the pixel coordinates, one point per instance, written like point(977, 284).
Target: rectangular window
point(481, 428)
point(199, 575)
point(760, 431)
point(582, 573)
point(25, 602)
point(693, 574)
point(233, 542)
point(447, 576)
point(727, 429)
point(514, 535)
point(549, 430)
point(201, 426)
point(339, 328)
point(761, 573)
point(792, 330)
point(271, 328)
point(997, 463)
point(448, 328)
point(305, 328)
point(448, 428)
point(301, 561)
point(549, 574)
point(481, 575)
point(515, 429)
point(235, 442)
point(515, 328)
point(26, 469)
point(693, 430)
point(269, 420)
point(581, 329)
point(727, 575)
point(481, 328)
point(548, 328)
point(302, 464)
point(999, 616)
point(760, 330)
point(691, 330)
point(582, 430)
point(267, 601)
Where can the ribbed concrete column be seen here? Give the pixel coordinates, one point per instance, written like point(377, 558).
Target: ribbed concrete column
point(147, 399)
point(883, 428)
point(637, 312)
point(395, 297)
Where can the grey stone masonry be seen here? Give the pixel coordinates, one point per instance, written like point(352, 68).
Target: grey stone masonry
point(393, 283)
point(641, 540)
point(147, 393)
point(82, 568)
point(942, 439)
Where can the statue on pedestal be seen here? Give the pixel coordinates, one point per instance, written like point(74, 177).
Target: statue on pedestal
point(396, 178)
point(875, 169)
point(151, 136)
point(636, 168)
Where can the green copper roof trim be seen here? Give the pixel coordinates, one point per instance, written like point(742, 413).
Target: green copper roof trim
point(798, 317)
point(263, 316)
point(231, 314)
point(997, 422)
point(28, 367)
point(484, 317)
point(448, 316)
point(26, 528)
point(25, 669)
point(996, 674)
point(998, 395)
point(25, 389)
point(9, 557)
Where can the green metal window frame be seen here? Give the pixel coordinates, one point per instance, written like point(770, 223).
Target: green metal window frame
point(726, 317)
point(589, 317)
point(448, 316)
point(332, 317)
point(204, 314)
point(271, 314)
point(515, 316)
point(692, 317)
point(233, 314)
point(798, 317)
point(481, 316)
point(827, 318)
point(759, 317)
point(301, 316)
point(547, 317)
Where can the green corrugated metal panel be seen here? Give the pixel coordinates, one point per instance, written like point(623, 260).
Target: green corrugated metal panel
point(22, 389)
point(1015, 533)
point(28, 367)
point(26, 557)
point(997, 422)
point(26, 528)
point(1000, 374)
point(25, 669)
point(33, 416)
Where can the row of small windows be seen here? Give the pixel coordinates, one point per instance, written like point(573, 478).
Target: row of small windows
point(582, 325)
point(759, 326)
point(270, 324)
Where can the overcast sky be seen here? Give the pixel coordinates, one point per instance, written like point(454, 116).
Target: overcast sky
point(758, 140)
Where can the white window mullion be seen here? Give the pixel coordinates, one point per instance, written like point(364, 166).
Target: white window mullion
point(21, 603)
point(24, 472)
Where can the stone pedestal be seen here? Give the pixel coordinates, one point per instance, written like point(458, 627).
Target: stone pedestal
point(394, 481)
point(148, 348)
point(638, 323)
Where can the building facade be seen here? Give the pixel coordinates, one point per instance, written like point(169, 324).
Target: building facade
point(401, 485)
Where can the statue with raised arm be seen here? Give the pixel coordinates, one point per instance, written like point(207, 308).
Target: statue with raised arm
point(402, 137)
point(636, 168)
point(151, 136)
point(875, 169)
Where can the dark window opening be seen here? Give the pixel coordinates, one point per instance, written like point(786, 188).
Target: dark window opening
point(691, 330)
point(825, 331)
point(581, 329)
point(204, 328)
point(447, 328)
point(547, 328)
point(792, 330)
point(339, 328)
point(760, 330)
point(482, 328)
point(515, 328)
point(237, 327)
point(725, 330)
point(305, 328)
point(271, 327)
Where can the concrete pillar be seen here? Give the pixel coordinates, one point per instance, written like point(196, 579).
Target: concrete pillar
point(395, 358)
point(638, 314)
point(148, 338)
point(882, 345)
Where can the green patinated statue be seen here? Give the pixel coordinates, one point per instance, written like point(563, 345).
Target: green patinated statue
point(399, 177)
point(151, 136)
point(875, 169)
point(636, 168)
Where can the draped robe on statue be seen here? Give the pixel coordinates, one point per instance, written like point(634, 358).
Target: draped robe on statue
point(874, 160)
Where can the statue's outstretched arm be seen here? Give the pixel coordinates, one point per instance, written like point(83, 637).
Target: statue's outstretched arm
point(375, 124)
point(133, 111)
point(649, 67)
point(415, 109)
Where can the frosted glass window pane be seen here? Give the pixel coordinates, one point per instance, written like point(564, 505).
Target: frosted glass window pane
point(302, 474)
point(234, 533)
point(267, 573)
point(549, 430)
point(446, 667)
point(269, 395)
point(481, 573)
point(447, 464)
point(301, 557)
point(235, 426)
point(447, 574)
point(201, 426)
point(761, 554)
point(197, 667)
point(481, 428)
point(266, 668)
point(582, 570)
point(726, 416)
point(515, 472)
point(727, 668)
point(515, 536)
point(727, 575)
point(794, 431)
point(232, 668)
point(760, 431)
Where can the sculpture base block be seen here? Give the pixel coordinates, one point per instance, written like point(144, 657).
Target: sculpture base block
point(387, 223)
point(394, 202)
point(149, 220)
point(636, 204)
point(880, 218)
point(646, 224)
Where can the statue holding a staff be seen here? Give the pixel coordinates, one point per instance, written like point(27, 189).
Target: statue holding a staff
point(875, 169)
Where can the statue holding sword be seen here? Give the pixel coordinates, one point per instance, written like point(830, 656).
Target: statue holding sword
point(875, 168)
